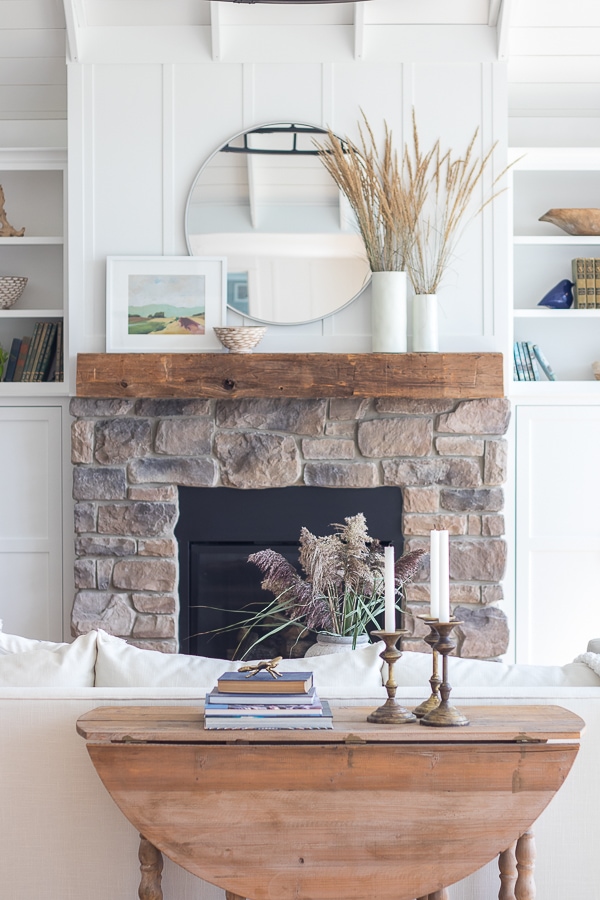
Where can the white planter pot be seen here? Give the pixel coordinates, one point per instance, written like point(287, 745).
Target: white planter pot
point(335, 643)
point(425, 323)
point(388, 312)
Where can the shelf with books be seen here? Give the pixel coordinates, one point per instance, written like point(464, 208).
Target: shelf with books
point(33, 185)
point(543, 255)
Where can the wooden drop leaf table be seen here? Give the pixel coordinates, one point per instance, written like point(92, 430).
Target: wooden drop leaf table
point(361, 811)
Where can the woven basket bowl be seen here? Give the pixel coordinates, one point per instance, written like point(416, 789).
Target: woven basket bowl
point(240, 338)
point(11, 288)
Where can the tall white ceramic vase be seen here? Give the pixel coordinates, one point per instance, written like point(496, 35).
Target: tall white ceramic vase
point(425, 323)
point(388, 312)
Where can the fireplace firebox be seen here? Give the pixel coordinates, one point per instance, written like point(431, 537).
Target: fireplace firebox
point(219, 527)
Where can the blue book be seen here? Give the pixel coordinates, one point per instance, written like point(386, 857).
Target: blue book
point(519, 363)
point(546, 367)
point(534, 361)
point(12, 359)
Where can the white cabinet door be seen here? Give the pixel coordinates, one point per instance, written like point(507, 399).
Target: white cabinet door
point(557, 531)
point(31, 521)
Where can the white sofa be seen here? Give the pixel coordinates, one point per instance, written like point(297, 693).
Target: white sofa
point(63, 838)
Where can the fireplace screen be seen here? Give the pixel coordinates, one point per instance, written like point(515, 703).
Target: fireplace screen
point(219, 528)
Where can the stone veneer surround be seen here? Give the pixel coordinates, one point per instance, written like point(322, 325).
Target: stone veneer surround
point(129, 456)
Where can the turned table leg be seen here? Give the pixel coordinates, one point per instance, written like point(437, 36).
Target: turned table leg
point(151, 865)
point(525, 854)
point(507, 864)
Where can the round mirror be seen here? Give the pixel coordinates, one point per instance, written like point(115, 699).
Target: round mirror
point(266, 202)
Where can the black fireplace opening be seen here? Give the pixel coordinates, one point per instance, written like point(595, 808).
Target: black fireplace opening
point(218, 528)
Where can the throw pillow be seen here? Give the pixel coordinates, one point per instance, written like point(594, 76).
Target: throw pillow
point(354, 673)
point(47, 665)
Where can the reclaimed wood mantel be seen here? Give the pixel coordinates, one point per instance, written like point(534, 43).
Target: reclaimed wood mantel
point(414, 376)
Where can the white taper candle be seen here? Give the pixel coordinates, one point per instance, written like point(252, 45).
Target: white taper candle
point(444, 614)
point(434, 574)
point(390, 590)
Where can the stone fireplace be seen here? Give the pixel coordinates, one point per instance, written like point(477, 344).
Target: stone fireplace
point(130, 456)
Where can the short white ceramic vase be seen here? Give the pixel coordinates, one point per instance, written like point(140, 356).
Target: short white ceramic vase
point(388, 312)
point(335, 643)
point(425, 323)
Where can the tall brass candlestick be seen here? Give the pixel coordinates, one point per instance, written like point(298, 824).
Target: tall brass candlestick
point(445, 714)
point(391, 713)
point(433, 700)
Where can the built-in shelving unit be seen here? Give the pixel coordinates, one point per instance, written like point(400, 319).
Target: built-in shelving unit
point(542, 179)
point(34, 183)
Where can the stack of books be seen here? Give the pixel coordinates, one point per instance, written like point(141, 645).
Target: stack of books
point(263, 702)
point(528, 360)
point(585, 274)
point(37, 358)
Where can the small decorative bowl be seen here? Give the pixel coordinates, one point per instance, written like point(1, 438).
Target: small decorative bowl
point(575, 221)
point(240, 338)
point(11, 288)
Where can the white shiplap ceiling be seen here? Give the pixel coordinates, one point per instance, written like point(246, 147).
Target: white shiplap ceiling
point(552, 46)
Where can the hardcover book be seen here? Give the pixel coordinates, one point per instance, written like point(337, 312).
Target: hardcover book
point(578, 278)
point(264, 683)
point(546, 367)
point(18, 374)
point(590, 285)
point(243, 699)
point(12, 359)
point(260, 722)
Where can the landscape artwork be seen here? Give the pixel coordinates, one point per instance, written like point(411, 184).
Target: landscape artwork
point(161, 305)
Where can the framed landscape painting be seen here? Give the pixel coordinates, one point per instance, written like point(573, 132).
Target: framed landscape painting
point(158, 304)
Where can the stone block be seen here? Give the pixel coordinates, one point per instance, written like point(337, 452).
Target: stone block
point(166, 492)
point(413, 624)
point(495, 463)
point(395, 437)
point(184, 437)
point(464, 593)
point(100, 609)
point(467, 500)
point(412, 407)
point(255, 460)
point(190, 472)
point(477, 560)
point(418, 594)
point(491, 593)
point(347, 408)
point(160, 646)
point(306, 417)
point(474, 526)
point(489, 416)
point(99, 484)
point(85, 573)
point(460, 446)
point(163, 547)
point(427, 472)
point(139, 518)
point(492, 526)
point(80, 407)
point(340, 429)
point(483, 632)
point(156, 408)
point(351, 475)
point(324, 448)
point(420, 500)
point(84, 515)
point(119, 440)
point(104, 546)
point(104, 569)
point(163, 604)
point(82, 441)
point(151, 626)
point(145, 575)
point(423, 524)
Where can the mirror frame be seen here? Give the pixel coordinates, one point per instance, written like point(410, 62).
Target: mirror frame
point(204, 165)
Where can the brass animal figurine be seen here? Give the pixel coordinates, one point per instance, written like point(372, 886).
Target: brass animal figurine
point(6, 229)
point(264, 665)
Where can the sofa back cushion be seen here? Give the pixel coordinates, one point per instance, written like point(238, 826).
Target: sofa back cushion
point(27, 663)
point(354, 673)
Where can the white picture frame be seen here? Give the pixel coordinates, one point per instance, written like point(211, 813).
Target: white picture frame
point(140, 288)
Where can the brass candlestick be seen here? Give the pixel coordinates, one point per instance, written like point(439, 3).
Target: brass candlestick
point(445, 714)
point(434, 699)
point(391, 713)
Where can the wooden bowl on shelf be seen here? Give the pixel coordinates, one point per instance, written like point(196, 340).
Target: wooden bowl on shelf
point(11, 288)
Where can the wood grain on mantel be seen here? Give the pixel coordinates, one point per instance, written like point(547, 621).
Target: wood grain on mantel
point(414, 376)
